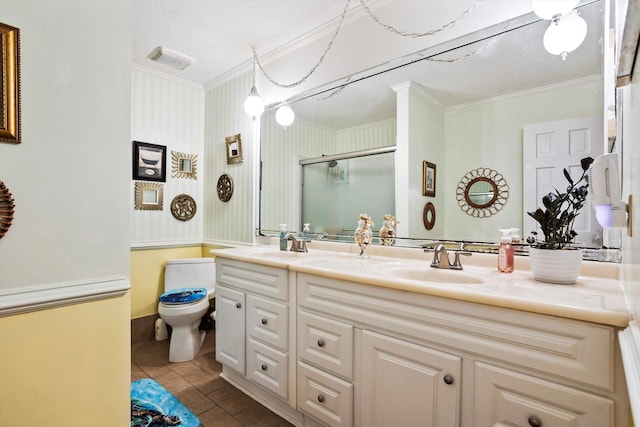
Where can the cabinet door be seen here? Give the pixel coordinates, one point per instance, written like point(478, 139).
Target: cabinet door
point(230, 334)
point(405, 384)
point(505, 397)
point(268, 321)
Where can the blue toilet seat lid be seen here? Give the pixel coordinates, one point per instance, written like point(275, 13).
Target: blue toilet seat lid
point(183, 295)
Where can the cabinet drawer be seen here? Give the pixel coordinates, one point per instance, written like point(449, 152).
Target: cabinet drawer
point(268, 321)
point(326, 343)
point(268, 281)
point(325, 397)
point(267, 367)
point(505, 397)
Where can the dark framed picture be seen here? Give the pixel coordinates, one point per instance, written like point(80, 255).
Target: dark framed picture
point(428, 179)
point(9, 84)
point(149, 162)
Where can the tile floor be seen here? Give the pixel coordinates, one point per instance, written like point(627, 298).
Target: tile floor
point(198, 385)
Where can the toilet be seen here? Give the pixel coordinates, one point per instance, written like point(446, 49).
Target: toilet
point(189, 285)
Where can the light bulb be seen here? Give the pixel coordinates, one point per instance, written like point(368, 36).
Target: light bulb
point(253, 105)
point(550, 9)
point(565, 34)
point(285, 115)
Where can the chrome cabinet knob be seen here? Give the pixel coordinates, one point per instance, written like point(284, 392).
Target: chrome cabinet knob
point(263, 321)
point(263, 367)
point(320, 398)
point(448, 379)
point(320, 343)
point(238, 305)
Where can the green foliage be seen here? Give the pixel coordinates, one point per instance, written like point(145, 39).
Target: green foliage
point(560, 211)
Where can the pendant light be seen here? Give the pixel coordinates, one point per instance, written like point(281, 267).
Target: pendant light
point(551, 9)
point(285, 115)
point(254, 105)
point(565, 34)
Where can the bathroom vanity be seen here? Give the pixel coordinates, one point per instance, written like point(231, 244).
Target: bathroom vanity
point(327, 338)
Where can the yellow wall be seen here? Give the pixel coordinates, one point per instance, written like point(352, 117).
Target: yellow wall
point(147, 272)
point(67, 366)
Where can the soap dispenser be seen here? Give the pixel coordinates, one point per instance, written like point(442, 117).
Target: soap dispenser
point(305, 232)
point(505, 252)
point(283, 235)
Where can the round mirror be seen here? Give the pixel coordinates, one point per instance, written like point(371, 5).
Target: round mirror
point(482, 192)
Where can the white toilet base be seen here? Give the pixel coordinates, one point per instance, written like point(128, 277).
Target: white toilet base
point(185, 343)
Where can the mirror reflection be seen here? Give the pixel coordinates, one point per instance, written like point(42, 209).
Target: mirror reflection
point(467, 101)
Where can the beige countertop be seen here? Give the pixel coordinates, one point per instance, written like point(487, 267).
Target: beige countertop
point(596, 297)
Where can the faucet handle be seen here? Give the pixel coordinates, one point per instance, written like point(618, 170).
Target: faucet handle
point(456, 260)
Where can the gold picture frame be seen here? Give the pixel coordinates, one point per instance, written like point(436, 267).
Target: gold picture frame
point(149, 196)
point(234, 149)
point(428, 179)
point(10, 86)
point(184, 165)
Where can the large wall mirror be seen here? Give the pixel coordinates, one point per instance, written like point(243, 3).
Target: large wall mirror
point(485, 87)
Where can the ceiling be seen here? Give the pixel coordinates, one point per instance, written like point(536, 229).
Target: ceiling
point(219, 34)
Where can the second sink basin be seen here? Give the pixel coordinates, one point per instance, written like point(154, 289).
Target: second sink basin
point(429, 274)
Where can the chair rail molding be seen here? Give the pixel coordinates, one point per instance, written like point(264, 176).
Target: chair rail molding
point(24, 300)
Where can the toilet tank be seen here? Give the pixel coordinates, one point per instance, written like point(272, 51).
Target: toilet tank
point(190, 273)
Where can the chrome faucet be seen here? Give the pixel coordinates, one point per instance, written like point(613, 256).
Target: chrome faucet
point(441, 256)
point(296, 245)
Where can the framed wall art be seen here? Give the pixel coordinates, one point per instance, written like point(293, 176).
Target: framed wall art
point(184, 165)
point(149, 162)
point(149, 196)
point(10, 84)
point(428, 179)
point(234, 149)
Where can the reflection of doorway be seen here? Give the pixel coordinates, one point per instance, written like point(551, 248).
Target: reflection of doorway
point(549, 147)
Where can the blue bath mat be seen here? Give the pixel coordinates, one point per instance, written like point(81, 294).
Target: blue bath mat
point(153, 406)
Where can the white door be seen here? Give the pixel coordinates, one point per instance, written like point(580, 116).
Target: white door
point(550, 147)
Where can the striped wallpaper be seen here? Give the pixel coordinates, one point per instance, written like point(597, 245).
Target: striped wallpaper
point(168, 112)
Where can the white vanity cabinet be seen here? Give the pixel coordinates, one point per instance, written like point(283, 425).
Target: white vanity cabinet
point(417, 360)
point(252, 319)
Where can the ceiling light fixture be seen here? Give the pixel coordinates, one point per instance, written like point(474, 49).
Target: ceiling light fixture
point(565, 34)
point(171, 58)
point(254, 105)
point(567, 30)
point(551, 9)
point(285, 115)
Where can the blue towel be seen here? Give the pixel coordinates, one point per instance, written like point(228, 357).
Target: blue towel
point(153, 406)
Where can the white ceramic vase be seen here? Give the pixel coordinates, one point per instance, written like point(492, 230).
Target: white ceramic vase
point(561, 266)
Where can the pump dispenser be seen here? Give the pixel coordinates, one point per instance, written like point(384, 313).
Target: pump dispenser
point(515, 235)
point(305, 232)
point(505, 252)
point(283, 235)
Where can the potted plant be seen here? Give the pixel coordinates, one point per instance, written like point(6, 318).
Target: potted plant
point(554, 259)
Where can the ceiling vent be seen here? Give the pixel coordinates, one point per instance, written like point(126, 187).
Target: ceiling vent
point(169, 57)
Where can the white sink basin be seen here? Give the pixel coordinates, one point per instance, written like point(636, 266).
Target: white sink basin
point(428, 274)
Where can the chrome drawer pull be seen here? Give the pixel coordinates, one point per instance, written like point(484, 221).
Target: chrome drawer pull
point(238, 305)
point(320, 398)
point(534, 421)
point(263, 321)
point(263, 367)
point(320, 343)
point(448, 379)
